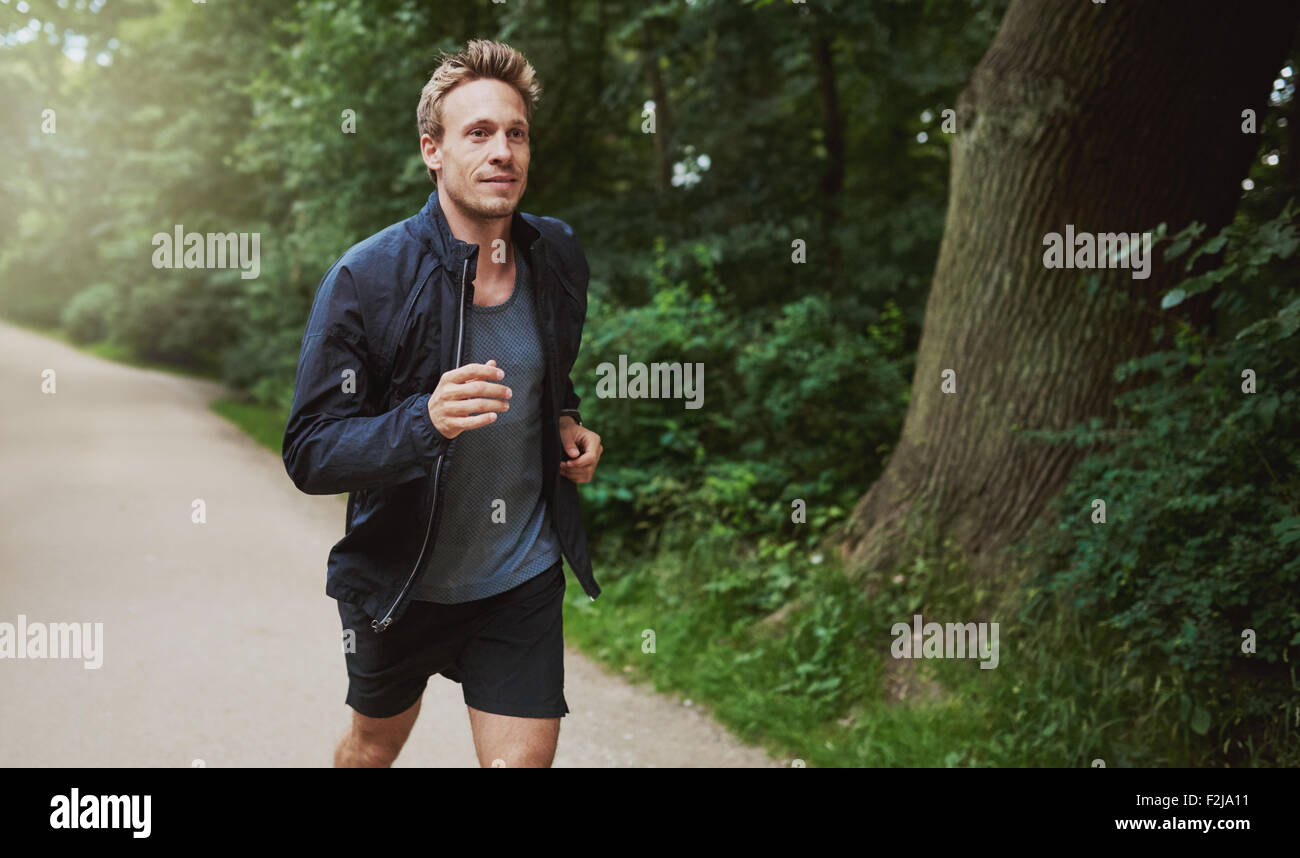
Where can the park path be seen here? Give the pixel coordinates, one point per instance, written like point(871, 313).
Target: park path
point(219, 643)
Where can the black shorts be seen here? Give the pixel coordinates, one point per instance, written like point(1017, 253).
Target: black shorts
point(506, 651)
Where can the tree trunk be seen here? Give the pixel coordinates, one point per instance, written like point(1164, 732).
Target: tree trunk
point(1111, 117)
point(833, 139)
point(663, 114)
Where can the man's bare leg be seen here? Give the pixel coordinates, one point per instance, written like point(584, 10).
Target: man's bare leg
point(519, 743)
point(374, 742)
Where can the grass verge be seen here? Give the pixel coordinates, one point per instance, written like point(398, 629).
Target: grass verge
point(263, 423)
point(818, 685)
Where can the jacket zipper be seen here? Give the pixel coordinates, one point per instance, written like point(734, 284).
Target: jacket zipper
point(381, 625)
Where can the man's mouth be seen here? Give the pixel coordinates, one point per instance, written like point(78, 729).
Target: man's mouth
point(500, 180)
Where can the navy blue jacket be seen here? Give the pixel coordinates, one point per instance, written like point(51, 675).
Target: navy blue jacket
point(387, 321)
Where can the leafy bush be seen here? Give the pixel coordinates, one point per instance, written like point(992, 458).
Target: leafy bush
point(1201, 481)
point(800, 404)
point(88, 317)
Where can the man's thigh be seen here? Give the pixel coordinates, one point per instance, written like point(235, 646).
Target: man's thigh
point(511, 742)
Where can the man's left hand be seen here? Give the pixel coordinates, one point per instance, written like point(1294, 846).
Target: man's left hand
point(584, 450)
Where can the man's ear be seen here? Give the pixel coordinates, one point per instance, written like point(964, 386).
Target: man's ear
point(430, 153)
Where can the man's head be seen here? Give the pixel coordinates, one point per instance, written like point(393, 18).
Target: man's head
point(474, 118)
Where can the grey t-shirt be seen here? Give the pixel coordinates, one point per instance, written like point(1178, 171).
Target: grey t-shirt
point(495, 529)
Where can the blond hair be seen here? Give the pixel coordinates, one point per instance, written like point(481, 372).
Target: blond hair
point(479, 59)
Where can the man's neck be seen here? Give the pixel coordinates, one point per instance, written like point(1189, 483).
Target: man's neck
point(473, 230)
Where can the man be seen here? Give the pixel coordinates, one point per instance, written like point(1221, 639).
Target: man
point(433, 386)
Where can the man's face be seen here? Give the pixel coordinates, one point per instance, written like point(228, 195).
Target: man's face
point(482, 161)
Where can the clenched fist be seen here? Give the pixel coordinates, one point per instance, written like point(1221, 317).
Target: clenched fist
point(468, 397)
point(584, 446)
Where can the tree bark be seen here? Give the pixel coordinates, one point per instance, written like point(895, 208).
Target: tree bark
point(1111, 117)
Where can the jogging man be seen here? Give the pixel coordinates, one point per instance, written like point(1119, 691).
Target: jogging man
point(433, 387)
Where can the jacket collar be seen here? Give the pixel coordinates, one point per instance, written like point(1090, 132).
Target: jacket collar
point(449, 248)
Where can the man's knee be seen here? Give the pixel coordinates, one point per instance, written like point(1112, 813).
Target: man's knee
point(521, 757)
point(355, 754)
point(375, 742)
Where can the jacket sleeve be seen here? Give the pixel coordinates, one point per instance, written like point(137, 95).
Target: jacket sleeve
point(582, 274)
point(335, 441)
point(571, 400)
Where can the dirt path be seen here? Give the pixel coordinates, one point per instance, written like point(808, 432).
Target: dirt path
point(219, 643)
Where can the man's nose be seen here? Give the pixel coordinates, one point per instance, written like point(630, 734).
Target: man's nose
point(501, 148)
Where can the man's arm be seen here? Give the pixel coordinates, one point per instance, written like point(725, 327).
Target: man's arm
point(580, 443)
point(333, 441)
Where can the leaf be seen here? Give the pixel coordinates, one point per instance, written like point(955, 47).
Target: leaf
point(1201, 721)
point(1172, 298)
point(1177, 248)
point(1287, 530)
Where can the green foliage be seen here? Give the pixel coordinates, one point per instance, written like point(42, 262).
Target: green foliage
point(89, 317)
point(1201, 481)
point(771, 385)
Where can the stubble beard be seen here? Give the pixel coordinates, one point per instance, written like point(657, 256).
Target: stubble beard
point(481, 206)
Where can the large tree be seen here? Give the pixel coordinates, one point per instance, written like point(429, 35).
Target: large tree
point(1110, 117)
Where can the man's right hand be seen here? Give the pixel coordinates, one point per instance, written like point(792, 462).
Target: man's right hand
point(468, 397)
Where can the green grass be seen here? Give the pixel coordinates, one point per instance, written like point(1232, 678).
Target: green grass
point(263, 423)
point(812, 689)
point(818, 686)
